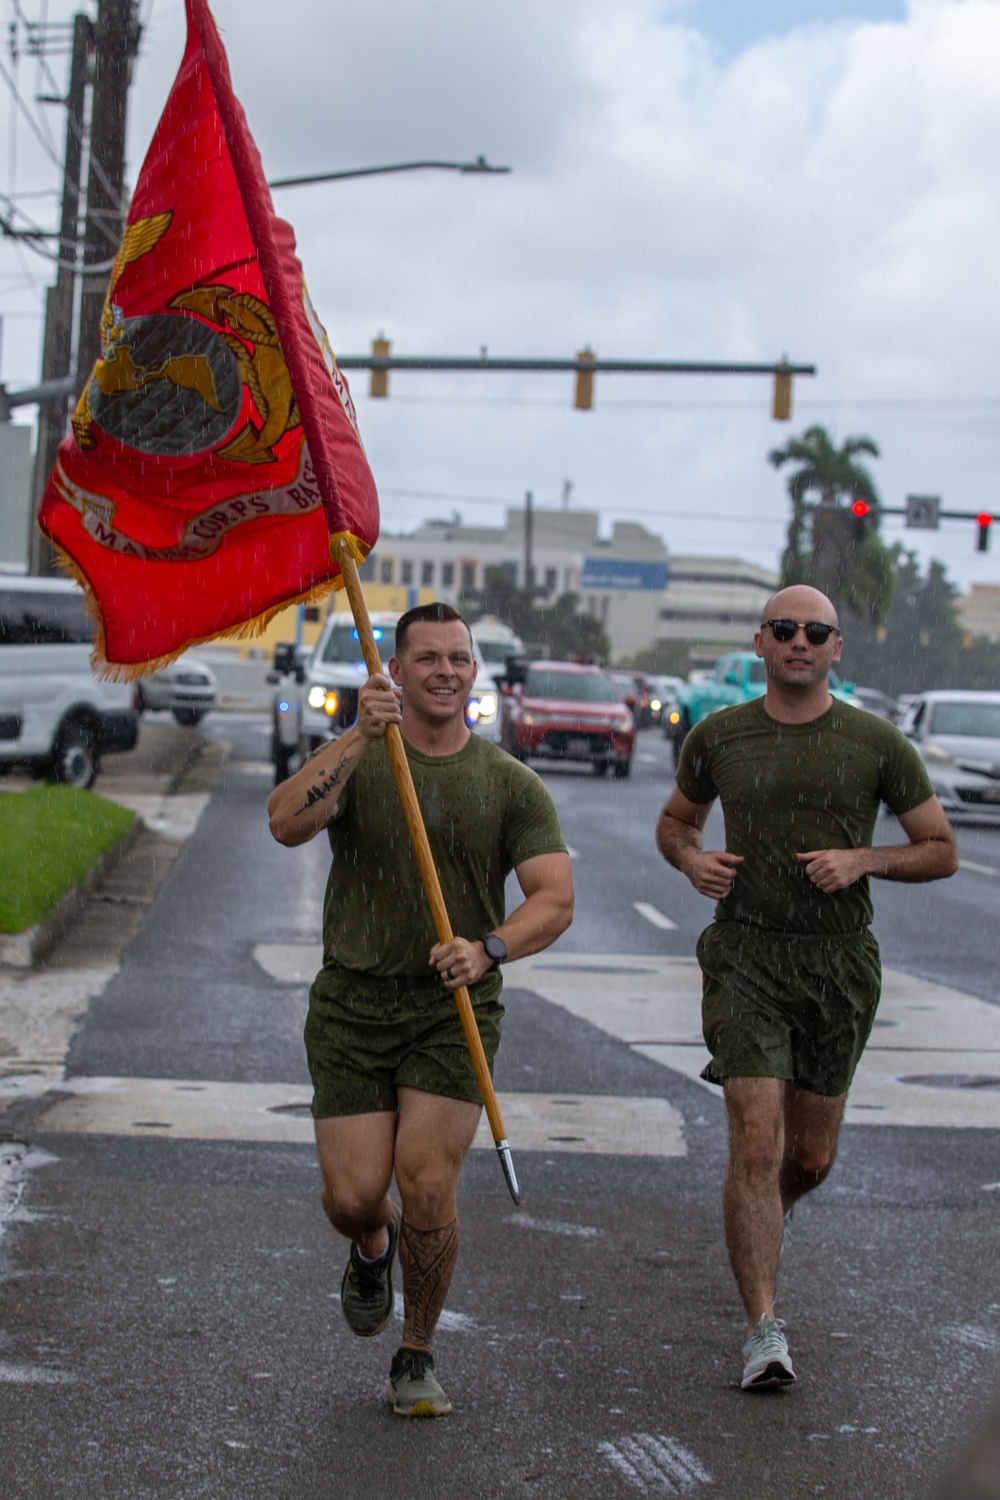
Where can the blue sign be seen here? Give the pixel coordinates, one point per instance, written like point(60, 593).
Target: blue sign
point(609, 573)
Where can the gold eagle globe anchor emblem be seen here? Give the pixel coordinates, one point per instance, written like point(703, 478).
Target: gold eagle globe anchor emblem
point(172, 383)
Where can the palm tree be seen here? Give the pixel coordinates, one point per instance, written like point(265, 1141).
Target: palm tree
point(828, 546)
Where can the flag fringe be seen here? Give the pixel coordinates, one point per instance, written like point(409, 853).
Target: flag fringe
point(127, 671)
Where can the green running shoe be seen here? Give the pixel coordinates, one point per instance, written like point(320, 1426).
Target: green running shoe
point(366, 1291)
point(766, 1361)
point(413, 1390)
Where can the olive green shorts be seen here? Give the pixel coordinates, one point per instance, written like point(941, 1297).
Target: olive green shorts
point(366, 1037)
point(796, 1008)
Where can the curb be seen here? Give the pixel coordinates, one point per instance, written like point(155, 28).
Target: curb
point(22, 950)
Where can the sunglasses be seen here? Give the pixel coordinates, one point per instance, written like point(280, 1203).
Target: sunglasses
point(817, 634)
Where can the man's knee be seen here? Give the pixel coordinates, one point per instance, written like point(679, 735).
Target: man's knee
point(812, 1158)
point(348, 1202)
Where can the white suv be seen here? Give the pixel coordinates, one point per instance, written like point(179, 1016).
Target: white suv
point(56, 717)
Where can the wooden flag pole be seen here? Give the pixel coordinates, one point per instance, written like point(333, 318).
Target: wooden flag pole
point(428, 871)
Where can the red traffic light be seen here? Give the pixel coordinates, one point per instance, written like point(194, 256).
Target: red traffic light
point(861, 508)
point(985, 521)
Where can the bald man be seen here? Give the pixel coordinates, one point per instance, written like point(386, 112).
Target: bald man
point(790, 971)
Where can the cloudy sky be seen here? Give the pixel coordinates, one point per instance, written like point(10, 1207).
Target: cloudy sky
point(692, 179)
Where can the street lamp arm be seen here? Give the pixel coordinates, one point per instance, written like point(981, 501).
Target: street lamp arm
point(480, 165)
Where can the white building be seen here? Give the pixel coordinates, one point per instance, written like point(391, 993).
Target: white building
point(629, 581)
point(620, 579)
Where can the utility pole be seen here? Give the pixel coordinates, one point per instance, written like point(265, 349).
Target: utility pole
point(57, 353)
point(529, 541)
point(116, 43)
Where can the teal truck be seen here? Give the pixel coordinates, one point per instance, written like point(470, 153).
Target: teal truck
point(736, 678)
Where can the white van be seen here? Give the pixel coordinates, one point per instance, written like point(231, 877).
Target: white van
point(56, 717)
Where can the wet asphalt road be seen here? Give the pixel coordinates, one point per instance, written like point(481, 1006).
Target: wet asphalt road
point(169, 1318)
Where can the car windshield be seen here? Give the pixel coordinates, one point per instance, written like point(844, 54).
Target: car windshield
point(977, 720)
point(580, 687)
point(758, 672)
point(342, 643)
point(494, 652)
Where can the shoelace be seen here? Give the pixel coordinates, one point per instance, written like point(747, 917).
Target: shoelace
point(769, 1340)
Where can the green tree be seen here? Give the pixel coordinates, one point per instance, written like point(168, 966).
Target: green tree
point(560, 628)
point(828, 546)
point(920, 644)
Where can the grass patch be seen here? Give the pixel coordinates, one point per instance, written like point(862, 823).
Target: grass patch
point(50, 836)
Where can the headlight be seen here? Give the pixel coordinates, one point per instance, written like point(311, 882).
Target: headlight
point(936, 755)
point(527, 719)
point(675, 717)
point(317, 697)
point(472, 710)
point(655, 705)
point(330, 703)
point(488, 705)
point(623, 726)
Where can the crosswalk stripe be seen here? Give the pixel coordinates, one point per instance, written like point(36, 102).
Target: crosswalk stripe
point(967, 864)
point(200, 1109)
point(654, 915)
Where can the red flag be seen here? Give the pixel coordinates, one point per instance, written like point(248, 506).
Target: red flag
point(215, 450)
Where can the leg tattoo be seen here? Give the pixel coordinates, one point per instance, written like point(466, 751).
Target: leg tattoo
point(428, 1259)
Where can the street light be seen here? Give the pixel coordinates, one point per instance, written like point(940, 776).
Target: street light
point(477, 167)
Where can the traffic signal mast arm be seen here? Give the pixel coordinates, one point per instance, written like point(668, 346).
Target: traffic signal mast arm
point(586, 364)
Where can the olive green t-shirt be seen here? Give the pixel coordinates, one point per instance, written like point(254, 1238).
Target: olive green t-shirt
point(787, 789)
point(485, 814)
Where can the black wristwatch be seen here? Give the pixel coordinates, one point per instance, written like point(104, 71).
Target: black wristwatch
point(496, 950)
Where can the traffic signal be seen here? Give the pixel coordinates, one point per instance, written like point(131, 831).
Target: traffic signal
point(860, 510)
point(380, 378)
point(984, 521)
point(782, 410)
point(585, 381)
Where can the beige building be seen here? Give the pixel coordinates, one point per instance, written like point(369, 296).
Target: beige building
point(715, 603)
point(979, 610)
point(620, 579)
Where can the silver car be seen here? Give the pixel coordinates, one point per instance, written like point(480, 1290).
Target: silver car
point(958, 735)
point(187, 687)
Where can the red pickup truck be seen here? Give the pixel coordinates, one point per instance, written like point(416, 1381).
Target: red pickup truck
point(561, 710)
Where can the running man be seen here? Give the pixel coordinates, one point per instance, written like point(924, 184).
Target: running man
point(790, 971)
point(394, 1089)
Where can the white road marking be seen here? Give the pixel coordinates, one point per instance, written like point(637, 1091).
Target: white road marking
point(967, 864)
point(972, 1336)
point(654, 915)
point(573, 853)
point(183, 1109)
point(32, 1375)
point(655, 1465)
point(248, 767)
point(554, 1226)
point(175, 817)
point(923, 1031)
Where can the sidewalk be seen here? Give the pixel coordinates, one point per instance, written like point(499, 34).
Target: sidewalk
point(168, 780)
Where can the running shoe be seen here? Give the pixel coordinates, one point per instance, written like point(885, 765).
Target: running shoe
point(366, 1290)
point(766, 1361)
point(413, 1390)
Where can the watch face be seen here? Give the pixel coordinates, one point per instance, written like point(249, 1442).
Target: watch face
point(495, 947)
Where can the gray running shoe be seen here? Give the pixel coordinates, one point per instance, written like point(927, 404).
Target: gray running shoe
point(413, 1390)
point(366, 1291)
point(766, 1361)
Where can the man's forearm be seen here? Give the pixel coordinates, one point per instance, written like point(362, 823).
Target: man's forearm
point(679, 842)
point(304, 804)
point(536, 923)
point(929, 859)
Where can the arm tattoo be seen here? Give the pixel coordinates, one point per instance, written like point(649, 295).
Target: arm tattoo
point(317, 793)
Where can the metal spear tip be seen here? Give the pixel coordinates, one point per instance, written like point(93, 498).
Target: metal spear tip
point(507, 1163)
